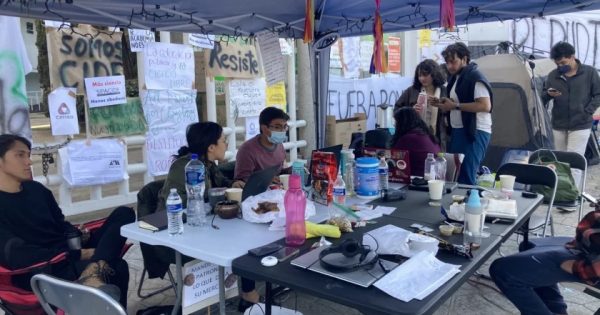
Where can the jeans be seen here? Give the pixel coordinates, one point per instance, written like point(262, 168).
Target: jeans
point(529, 278)
point(473, 151)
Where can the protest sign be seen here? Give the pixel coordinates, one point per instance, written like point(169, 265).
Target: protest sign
point(394, 55)
point(276, 96)
point(201, 283)
point(169, 66)
point(202, 40)
point(233, 60)
point(105, 91)
point(160, 148)
point(63, 112)
point(139, 38)
point(117, 120)
point(94, 162)
point(246, 97)
point(271, 58)
point(347, 97)
point(73, 57)
point(252, 127)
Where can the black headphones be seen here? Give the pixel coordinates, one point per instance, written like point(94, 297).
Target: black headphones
point(349, 248)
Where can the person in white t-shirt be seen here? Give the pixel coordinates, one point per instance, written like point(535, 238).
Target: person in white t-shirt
point(470, 106)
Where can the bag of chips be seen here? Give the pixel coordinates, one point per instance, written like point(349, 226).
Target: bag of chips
point(323, 172)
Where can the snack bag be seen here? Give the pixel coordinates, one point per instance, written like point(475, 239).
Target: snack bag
point(323, 172)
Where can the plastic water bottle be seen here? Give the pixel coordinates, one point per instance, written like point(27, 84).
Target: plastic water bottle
point(429, 170)
point(348, 174)
point(295, 205)
point(383, 173)
point(339, 189)
point(194, 186)
point(174, 213)
point(473, 220)
point(440, 166)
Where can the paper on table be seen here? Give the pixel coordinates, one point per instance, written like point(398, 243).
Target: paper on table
point(417, 277)
point(369, 214)
point(386, 210)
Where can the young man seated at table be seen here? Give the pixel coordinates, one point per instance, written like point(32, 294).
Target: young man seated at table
point(529, 279)
point(266, 149)
point(33, 229)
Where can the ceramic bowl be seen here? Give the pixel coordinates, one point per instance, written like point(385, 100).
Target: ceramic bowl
point(227, 209)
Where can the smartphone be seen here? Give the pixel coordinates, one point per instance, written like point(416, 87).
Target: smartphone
point(285, 253)
point(265, 250)
point(589, 198)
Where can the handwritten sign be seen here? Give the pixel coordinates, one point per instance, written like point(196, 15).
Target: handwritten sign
point(246, 97)
point(202, 40)
point(272, 60)
point(118, 120)
point(105, 91)
point(139, 38)
point(74, 57)
point(169, 66)
point(201, 281)
point(276, 96)
point(96, 162)
point(62, 111)
point(233, 60)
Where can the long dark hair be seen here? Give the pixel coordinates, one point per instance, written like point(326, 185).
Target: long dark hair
point(7, 141)
point(407, 119)
point(429, 67)
point(199, 137)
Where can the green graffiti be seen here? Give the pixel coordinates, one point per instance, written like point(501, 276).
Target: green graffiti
point(12, 58)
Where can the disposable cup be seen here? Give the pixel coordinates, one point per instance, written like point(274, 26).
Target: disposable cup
point(436, 189)
point(507, 182)
point(285, 181)
point(234, 194)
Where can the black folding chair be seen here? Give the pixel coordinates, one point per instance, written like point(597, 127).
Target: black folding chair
point(529, 174)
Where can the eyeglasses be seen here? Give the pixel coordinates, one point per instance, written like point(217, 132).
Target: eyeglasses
point(279, 127)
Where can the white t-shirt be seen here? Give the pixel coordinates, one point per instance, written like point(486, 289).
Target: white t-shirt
point(484, 120)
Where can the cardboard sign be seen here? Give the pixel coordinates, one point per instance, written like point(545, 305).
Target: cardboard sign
point(105, 91)
point(118, 120)
point(246, 97)
point(139, 38)
point(276, 96)
point(73, 57)
point(270, 55)
point(63, 112)
point(201, 282)
point(169, 67)
point(233, 60)
point(202, 40)
point(96, 162)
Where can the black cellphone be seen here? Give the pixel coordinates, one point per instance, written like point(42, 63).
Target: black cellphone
point(265, 250)
point(285, 253)
point(528, 194)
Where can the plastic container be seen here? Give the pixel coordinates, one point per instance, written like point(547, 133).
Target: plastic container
point(367, 178)
point(440, 166)
point(473, 220)
point(339, 189)
point(429, 171)
point(194, 186)
point(295, 206)
point(174, 213)
point(348, 172)
point(298, 168)
point(383, 174)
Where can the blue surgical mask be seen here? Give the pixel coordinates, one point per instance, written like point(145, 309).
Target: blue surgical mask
point(277, 137)
point(564, 69)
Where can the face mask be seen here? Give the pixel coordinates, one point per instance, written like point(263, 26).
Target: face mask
point(277, 137)
point(564, 69)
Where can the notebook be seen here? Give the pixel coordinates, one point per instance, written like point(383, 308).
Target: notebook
point(156, 221)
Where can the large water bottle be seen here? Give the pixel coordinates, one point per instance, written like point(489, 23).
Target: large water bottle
point(440, 166)
point(339, 189)
point(473, 229)
point(429, 170)
point(383, 171)
point(295, 205)
point(194, 186)
point(174, 213)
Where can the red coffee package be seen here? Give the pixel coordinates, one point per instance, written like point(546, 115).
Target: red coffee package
point(323, 172)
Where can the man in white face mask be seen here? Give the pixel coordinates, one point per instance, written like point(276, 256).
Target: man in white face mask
point(266, 149)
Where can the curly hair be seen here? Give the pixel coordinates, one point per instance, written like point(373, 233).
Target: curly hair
point(407, 119)
point(562, 50)
point(429, 67)
point(457, 50)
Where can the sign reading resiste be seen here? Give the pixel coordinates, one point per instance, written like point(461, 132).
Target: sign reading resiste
point(105, 91)
point(233, 60)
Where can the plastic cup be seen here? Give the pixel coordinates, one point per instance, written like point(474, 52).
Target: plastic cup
point(234, 194)
point(285, 181)
point(73, 237)
point(436, 189)
point(507, 182)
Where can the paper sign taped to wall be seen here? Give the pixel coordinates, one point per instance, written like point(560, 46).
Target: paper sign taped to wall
point(105, 91)
point(169, 66)
point(246, 98)
point(63, 112)
point(96, 162)
point(201, 282)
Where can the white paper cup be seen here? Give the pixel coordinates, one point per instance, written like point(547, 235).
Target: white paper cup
point(285, 181)
point(234, 194)
point(507, 182)
point(436, 189)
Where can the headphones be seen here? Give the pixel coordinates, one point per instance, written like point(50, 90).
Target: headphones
point(331, 259)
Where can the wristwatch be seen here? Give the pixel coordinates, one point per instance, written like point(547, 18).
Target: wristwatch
point(457, 107)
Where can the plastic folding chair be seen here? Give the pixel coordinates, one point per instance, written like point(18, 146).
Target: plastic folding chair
point(73, 298)
point(529, 174)
point(575, 161)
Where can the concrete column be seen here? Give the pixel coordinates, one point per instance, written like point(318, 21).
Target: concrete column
point(305, 100)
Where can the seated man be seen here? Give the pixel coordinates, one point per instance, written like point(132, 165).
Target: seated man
point(266, 149)
point(33, 228)
point(529, 279)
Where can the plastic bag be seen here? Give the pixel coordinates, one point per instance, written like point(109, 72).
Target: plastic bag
point(275, 196)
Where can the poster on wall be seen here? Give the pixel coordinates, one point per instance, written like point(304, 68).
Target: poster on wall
point(118, 121)
point(252, 127)
point(233, 60)
point(139, 38)
point(169, 67)
point(93, 162)
point(246, 98)
point(276, 96)
point(201, 283)
point(202, 40)
point(63, 112)
point(394, 55)
point(73, 57)
point(105, 91)
point(271, 58)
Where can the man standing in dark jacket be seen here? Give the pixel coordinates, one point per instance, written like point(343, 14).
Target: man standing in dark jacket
point(470, 106)
point(575, 89)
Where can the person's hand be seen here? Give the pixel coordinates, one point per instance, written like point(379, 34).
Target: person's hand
point(238, 184)
point(276, 180)
point(418, 107)
point(446, 104)
point(85, 233)
point(567, 265)
point(434, 101)
point(87, 253)
point(553, 92)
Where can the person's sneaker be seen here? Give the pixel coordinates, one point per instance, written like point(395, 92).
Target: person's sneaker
point(567, 209)
point(96, 274)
